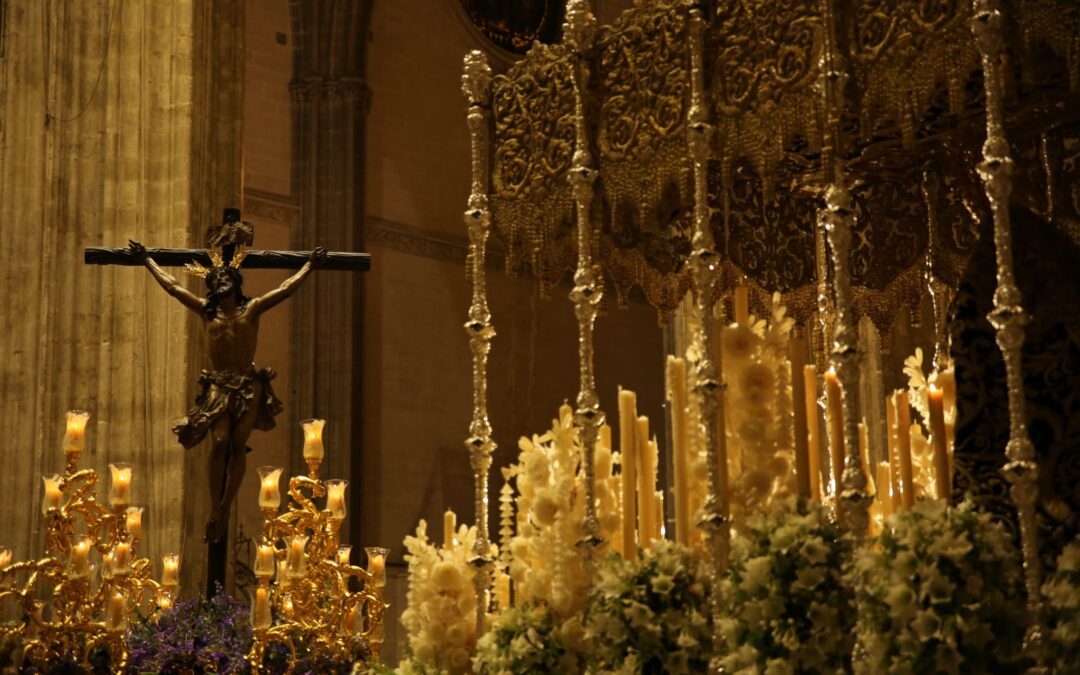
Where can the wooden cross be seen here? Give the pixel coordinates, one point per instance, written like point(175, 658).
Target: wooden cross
point(231, 238)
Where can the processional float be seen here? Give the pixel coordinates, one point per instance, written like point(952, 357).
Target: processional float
point(824, 150)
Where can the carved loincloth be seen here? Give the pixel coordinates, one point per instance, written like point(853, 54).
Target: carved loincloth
point(232, 394)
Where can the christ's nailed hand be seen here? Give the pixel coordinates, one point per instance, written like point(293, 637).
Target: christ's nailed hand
point(137, 250)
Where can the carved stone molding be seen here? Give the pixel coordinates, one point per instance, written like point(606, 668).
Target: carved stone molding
point(270, 205)
point(332, 89)
point(423, 243)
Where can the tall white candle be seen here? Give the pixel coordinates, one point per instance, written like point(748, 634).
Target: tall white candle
point(942, 480)
point(680, 425)
point(628, 459)
point(449, 528)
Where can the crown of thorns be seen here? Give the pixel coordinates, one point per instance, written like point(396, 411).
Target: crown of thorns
point(217, 261)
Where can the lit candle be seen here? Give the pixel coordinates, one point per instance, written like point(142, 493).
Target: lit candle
point(813, 431)
point(116, 614)
point(269, 487)
point(296, 559)
point(5, 557)
point(75, 434)
point(80, 557)
point(377, 565)
point(260, 611)
point(134, 522)
point(628, 460)
point(344, 555)
point(449, 522)
point(120, 485)
point(282, 571)
point(122, 558)
point(903, 448)
point(947, 380)
point(680, 426)
point(646, 484)
point(107, 565)
point(170, 570)
point(264, 561)
point(313, 442)
point(942, 480)
point(797, 358)
point(164, 602)
point(894, 453)
point(836, 428)
point(287, 606)
point(335, 498)
point(53, 494)
point(742, 305)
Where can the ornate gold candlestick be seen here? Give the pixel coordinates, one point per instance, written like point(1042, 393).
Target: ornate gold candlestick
point(1007, 317)
point(86, 612)
point(311, 591)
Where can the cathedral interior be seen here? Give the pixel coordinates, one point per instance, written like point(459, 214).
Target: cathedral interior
point(344, 124)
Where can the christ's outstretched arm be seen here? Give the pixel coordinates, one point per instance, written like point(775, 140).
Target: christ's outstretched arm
point(289, 286)
point(167, 281)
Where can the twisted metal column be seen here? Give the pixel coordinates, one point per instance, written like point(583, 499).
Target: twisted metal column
point(837, 218)
point(706, 378)
point(476, 85)
point(580, 31)
point(1008, 317)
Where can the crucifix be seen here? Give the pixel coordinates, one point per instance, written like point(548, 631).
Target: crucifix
point(233, 397)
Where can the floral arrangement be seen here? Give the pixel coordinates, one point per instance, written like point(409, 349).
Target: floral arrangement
point(1062, 596)
point(652, 615)
point(530, 639)
point(784, 606)
point(200, 635)
point(545, 565)
point(758, 411)
point(441, 615)
point(939, 592)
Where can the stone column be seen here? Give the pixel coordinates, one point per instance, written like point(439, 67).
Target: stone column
point(329, 108)
point(102, 131)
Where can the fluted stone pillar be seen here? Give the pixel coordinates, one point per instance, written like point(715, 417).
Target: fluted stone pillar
point(329, 106)
point(103, 137)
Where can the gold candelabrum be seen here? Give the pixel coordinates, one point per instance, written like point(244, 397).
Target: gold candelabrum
point(69, 604)
point(305, 576)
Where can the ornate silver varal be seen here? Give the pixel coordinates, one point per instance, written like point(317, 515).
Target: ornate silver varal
point(705, 372)
point(579, 32)
point(838, 217)
point(476, 85)
point(1007, 317)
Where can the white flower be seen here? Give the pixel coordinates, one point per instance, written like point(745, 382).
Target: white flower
point(926, 624)
point(738, 342)
point(755, 382)
point(446, 576)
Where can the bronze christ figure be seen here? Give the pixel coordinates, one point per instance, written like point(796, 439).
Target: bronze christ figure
point(234, 398)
